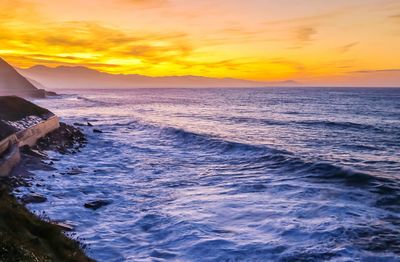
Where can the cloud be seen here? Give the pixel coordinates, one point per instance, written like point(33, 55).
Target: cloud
point(12, 10)
point(395, 17)
point(302, 36)
point(316, 19)
point(90, 43)
point(395, 70)
point(210, 37)
point(296, 66)
point(348, 47)
point(147, 4)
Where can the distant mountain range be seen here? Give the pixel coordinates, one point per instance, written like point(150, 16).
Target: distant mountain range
point(79, 77)
point(13, 83)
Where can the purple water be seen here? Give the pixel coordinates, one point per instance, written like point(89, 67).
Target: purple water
point(232, 174)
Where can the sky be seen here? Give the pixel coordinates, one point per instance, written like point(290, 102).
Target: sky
point(315, 42)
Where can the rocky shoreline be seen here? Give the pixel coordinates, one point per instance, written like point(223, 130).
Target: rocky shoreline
point(23, 235)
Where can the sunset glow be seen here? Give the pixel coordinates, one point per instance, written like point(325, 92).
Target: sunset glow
point(310, 41)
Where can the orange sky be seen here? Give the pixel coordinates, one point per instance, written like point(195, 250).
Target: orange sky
point(340, 42)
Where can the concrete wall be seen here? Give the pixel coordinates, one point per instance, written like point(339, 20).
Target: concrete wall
point(9, 147)
point(5, 143)
point(9, 160)
point(30, 136)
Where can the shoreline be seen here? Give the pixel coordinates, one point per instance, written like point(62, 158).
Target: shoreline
point(26, 236)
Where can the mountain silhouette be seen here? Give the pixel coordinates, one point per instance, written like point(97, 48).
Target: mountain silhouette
point(79, 77)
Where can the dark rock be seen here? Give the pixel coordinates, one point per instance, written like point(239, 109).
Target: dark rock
point(97, 131)
point(33, 198)
point(32, 152)
point(89, 124)
point(96, 204)
point(64, 140)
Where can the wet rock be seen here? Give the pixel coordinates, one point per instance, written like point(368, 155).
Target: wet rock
point(96, 204)
point(64, 226)
point(33, 199)
point(97, 131)
point(51, 93)
point(75, 171)
point(32, 152)
point(65, 140)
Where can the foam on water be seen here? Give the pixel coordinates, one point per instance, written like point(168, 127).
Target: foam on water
point(232, 175)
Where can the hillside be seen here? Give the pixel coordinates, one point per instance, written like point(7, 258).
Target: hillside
point(13, 83)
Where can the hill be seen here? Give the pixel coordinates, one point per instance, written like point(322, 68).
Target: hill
point(13, 83)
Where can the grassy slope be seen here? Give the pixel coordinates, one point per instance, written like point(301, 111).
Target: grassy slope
point(24, 237)
point(14, 108)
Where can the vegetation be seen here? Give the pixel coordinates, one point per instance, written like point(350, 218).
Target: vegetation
point(25, 237)
point(14, 108)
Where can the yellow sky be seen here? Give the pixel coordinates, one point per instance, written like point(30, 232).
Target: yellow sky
point(311, 41)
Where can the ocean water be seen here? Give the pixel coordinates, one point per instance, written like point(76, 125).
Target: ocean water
point(275, 174)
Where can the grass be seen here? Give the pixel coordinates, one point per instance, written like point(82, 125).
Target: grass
point(13, 108)
point(25, 237)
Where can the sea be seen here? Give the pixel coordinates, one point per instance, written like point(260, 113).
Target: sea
point(266, 174)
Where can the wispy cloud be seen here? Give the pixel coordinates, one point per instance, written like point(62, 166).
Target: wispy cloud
point(395, 70)
point(296, 66)
point(348, 47)
point(304, 34)
point(12, 10)
point(395, 17)
point(147, 4)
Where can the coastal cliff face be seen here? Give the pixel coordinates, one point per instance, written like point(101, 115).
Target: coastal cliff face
point(13, 83)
